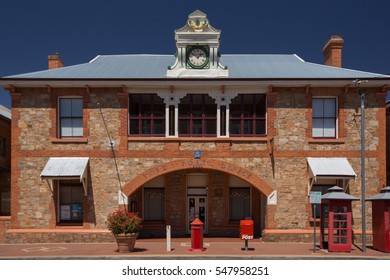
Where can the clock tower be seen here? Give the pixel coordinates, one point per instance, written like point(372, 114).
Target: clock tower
point(197, 50)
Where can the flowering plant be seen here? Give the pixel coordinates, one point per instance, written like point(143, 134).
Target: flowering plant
point(123, 222)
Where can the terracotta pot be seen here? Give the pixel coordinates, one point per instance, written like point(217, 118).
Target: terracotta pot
point(126, 242)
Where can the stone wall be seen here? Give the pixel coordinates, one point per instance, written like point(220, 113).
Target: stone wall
point(278, 160)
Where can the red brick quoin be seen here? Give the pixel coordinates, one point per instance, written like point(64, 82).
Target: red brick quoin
point(212, 164)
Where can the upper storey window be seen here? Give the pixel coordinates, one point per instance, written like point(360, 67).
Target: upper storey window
point(71, 117)
point(146, 115)
point(197, 116)
point(324, 117)
point(248, 115)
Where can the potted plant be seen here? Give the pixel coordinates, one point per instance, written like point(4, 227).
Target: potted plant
point(125, 226)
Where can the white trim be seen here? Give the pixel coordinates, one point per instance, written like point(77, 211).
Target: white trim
point(272, 199)
point(122, 198)
point(336, 112)
point(59, 128)
point(94, 59)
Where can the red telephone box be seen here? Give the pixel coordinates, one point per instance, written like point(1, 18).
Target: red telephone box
point(336, 220)
point(381, 220)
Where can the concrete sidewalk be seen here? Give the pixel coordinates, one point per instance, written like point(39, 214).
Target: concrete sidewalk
point(216, 248)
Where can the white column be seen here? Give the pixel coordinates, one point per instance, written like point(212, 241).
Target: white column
point(218, 120)
point(227, 118)
point(177, 120)
point(167, 120)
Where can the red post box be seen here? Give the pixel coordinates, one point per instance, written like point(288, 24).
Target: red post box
point(246, 229)
point(246, 232)
point(197, 236)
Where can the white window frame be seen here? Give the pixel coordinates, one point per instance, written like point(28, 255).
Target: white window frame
point(60, 135)
point(336, 117)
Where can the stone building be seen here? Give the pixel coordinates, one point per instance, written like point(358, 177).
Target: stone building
point(196, 134)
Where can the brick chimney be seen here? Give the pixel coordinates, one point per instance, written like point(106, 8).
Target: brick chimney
point(54, 61)
point(333, 51)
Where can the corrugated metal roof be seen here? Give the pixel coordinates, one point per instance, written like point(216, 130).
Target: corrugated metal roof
point(5, 112)
point(261, 66)
point(383, 195)
point(330, 167)
point(65, 167)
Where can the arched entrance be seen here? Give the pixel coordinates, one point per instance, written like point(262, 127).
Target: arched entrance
point(218, 192)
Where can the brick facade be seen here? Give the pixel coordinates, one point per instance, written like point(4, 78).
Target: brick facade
point(143, 159)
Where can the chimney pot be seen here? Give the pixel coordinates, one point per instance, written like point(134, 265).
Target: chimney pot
point(54, 61)
point(332, 51)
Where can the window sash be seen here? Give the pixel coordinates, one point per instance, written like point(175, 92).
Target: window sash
point(324, 118)
point(146, 115)
point(248, 115)
point(71, 117)
point(71, 199)
point(197, 116)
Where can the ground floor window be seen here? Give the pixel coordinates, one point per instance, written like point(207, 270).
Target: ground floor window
point(5, 204)
point(321, 185)
point(154, 204)
point(239, 203)
point(70, 198)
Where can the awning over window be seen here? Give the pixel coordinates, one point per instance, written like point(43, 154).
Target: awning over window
point(66, 168)
point(335, 168)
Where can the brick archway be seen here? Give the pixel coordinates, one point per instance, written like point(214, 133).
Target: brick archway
point(182, 164)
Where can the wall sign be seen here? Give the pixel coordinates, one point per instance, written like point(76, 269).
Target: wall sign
point(315, 197)
point(197, 154)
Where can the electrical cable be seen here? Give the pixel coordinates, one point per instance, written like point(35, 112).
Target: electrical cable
point(111, 143)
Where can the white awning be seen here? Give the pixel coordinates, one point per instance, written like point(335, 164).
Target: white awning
point(66, 168)
point(336, 168)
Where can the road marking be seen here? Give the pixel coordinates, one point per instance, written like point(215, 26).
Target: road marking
point(44, 249)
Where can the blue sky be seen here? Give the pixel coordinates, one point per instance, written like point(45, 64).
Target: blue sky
point(81, 29)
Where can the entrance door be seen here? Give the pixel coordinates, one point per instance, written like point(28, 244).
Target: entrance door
point(196, 208)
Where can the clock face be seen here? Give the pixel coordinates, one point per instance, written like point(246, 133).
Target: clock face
point(197, 57)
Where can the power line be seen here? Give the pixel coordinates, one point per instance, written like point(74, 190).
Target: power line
point(112, 144)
